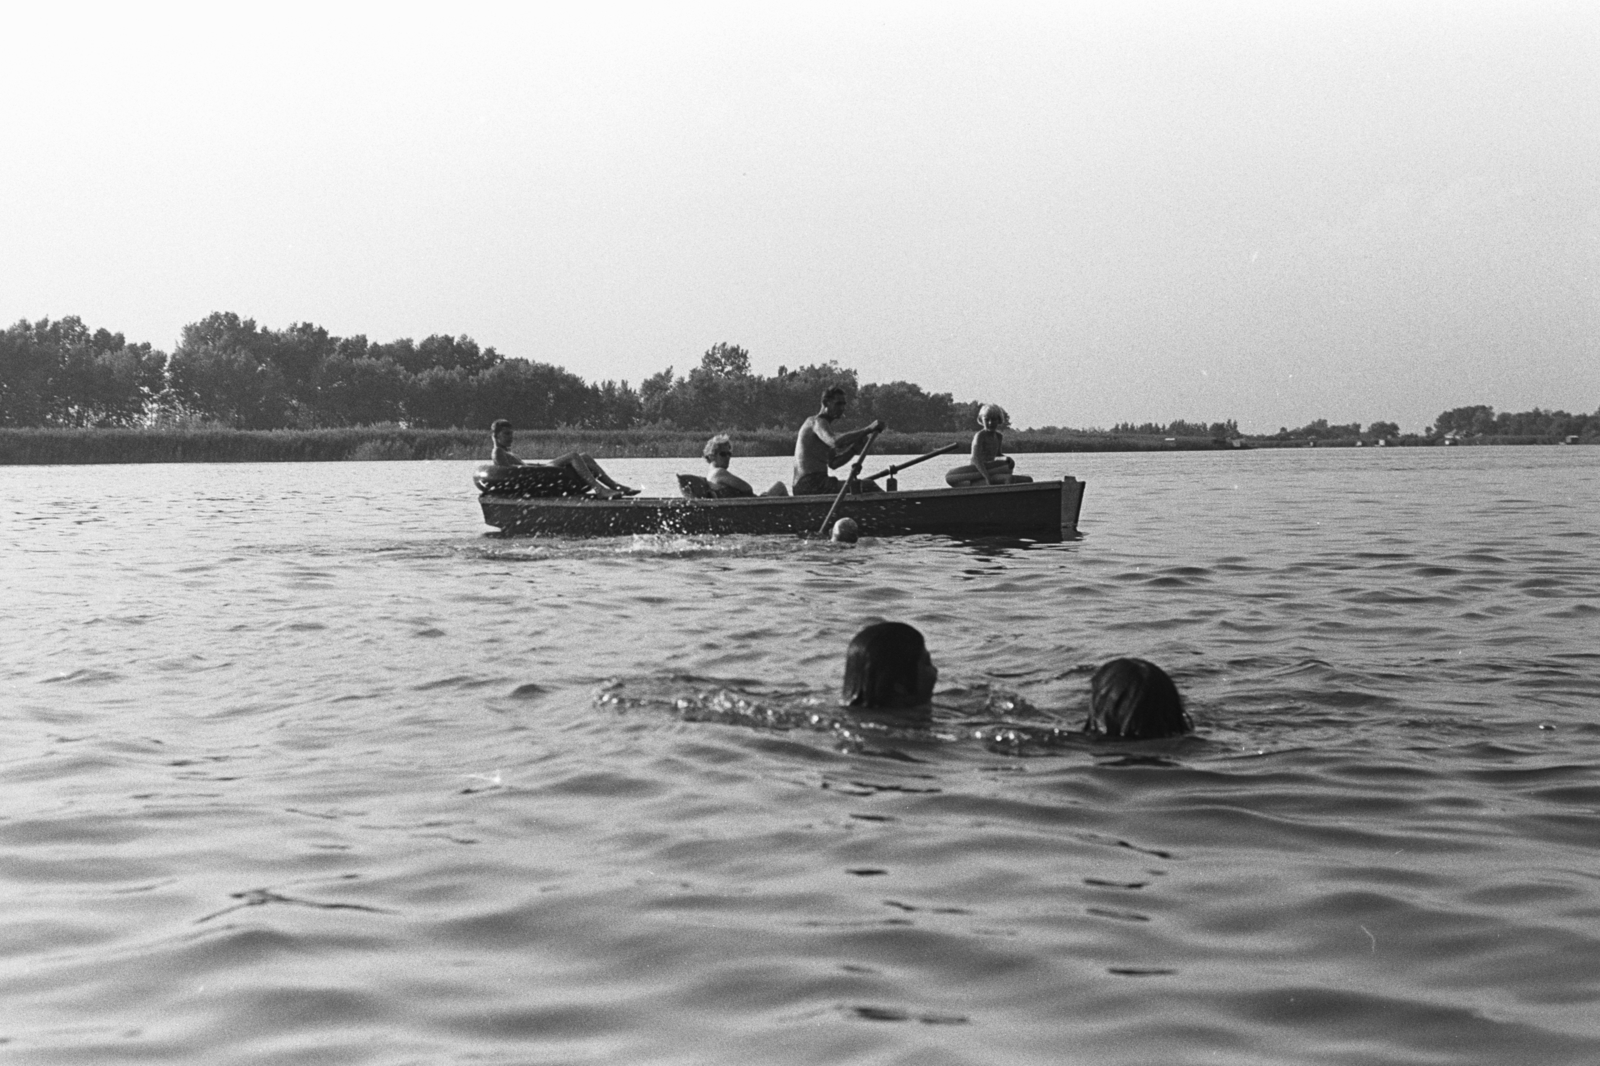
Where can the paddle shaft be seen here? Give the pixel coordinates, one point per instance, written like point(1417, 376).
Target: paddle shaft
point(855, 475)
point(946, 450)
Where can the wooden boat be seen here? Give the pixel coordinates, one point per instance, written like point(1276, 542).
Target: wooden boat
point(550, 501)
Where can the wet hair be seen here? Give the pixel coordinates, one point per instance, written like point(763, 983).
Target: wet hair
point(714, 445)
point(831, 391)
point(983, 414)
point(497, 424)
point(1136, 700)
point(881, 668)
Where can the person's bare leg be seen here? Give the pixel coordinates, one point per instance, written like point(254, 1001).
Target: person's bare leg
point(575, 462)
point(602, 476)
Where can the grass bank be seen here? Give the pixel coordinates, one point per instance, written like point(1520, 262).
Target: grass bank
point(42, 447)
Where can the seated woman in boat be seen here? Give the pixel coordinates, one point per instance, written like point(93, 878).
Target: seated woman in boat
point(887, 668)
point(989, 466)
point(1135, 700)
point(579, 463)
point(718, 454)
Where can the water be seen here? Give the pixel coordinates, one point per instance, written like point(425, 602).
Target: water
point(299, 765)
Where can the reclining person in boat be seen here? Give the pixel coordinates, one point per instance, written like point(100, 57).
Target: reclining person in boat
point(718, 454)
point(579, 463)
point(989, 465)
point(818, 449)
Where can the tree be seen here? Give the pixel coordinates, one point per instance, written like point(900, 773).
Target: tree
point(231, 386)
point(1321, 430)
point(110, 382)
point(298, 351)
point(655, 396)
point(724, 360)
point(358, 392)
point(438, 350)
point(59, 374)
point(784, 401)
point(441, 398)
point(223, 369)
point(905, 407)
point(533, 395)
point(1466, 421)
point(614, 405)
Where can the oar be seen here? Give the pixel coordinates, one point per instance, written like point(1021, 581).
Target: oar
point(896, 468)
point(855, 475)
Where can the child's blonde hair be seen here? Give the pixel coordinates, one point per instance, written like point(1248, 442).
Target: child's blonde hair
point(984, 411)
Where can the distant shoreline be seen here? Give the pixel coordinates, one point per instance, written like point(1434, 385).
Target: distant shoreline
point(64, 447)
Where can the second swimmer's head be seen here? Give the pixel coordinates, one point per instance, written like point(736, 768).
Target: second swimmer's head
point(1135, 699)
point(888, 667)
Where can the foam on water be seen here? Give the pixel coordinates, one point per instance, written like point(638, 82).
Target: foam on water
point(297, 764)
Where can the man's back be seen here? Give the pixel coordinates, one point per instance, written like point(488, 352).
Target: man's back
point(811, 450)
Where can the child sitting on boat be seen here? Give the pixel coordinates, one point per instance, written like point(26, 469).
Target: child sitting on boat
point(989, 465)
point(718, 453)
point(579, 463)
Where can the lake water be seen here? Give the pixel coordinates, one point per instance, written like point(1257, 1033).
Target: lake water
point(300, 765)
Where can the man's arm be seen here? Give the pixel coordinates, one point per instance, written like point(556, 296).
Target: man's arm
point(842, 446)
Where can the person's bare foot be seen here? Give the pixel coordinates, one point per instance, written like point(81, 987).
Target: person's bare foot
point(626, 491)
point(603, 493)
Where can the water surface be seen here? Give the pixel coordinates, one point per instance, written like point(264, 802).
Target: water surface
point(298, 763)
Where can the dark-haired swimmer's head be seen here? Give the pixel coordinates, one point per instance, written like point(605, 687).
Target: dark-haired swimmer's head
point(1135, 700)
point(888, 668)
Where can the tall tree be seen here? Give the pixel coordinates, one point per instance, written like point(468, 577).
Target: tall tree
point(726, 360)
point(57, 373)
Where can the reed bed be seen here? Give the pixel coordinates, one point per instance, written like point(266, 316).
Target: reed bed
point(41, 447)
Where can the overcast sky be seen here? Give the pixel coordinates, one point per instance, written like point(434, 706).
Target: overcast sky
point(1088, 213)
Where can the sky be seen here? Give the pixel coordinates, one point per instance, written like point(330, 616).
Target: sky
point(1088, 213)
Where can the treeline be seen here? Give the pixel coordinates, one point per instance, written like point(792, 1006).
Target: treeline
point(1479, 423)
point(36, 446)
point(1322, 430)
point(1179, 428)
point(227, 371)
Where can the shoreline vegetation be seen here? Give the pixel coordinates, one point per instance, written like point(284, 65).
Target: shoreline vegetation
point(231, 391)
point(60, 446)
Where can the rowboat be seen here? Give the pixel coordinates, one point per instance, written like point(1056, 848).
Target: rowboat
point(550, 501)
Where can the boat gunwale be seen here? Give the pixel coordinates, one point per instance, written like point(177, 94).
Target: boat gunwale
point(630, 502)
point(1038, 510)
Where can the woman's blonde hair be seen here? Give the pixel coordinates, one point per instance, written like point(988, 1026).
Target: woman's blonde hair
point(983, 414)
point(714, 445)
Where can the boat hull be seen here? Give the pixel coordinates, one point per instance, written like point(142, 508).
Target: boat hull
point(1041, 510)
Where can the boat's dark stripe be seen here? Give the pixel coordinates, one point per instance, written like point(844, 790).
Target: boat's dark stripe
point(1045, 510)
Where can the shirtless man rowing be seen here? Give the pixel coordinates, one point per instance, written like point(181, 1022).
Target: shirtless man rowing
point(818, 449)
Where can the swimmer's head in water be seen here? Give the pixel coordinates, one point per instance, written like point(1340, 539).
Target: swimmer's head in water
point(1135, 700)
point(888, 667)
